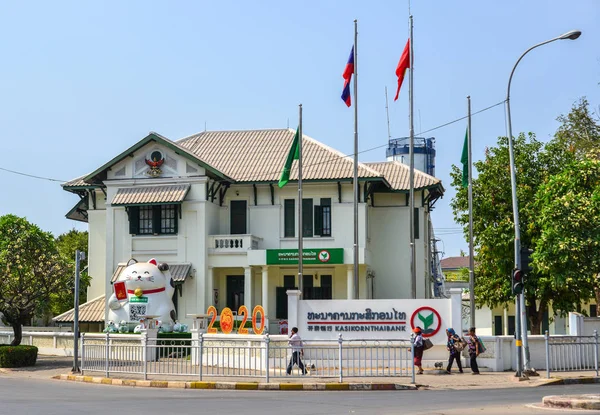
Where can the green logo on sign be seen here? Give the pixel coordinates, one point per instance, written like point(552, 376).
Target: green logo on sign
point(427, 322)
point(138, 300)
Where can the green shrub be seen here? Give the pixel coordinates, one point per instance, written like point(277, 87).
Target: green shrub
point(18, 356)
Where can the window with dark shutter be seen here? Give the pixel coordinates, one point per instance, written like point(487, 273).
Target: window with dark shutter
point(153, 220)
point(326, 216)
point(238, 217)
point(134, 219)
point(307, 218)
point(416, 219)
point(318, 221)
point(289, 218)
point(146, 225)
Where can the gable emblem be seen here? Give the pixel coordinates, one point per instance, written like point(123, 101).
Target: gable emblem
point(156, 160)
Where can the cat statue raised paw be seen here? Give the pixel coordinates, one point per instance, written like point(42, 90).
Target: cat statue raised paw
point(148, 292)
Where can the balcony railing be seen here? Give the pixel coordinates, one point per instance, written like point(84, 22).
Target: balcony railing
point(233, 243)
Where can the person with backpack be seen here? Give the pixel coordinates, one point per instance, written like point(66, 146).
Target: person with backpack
point(419, 347)
point(474, 350)
point(455, 345)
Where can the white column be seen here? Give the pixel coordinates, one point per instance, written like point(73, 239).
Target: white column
point(505, 319)
point(456, 310)
point(293, 304)
point(210, 284)
point(265, 291)
point(350, 278)
point(248, 288)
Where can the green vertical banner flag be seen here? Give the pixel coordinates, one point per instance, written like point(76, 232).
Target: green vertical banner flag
point(294, 154)
point(465, 161)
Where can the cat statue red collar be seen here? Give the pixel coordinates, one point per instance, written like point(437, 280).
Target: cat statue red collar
point(149, 291)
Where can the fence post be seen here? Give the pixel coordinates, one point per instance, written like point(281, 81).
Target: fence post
point(82, 351)
point(596, 350)
point(547, 340)
point(145, 353)
point(200, 347)
point(340, 340)
point(107, 350)
point(267, 348)
point(412, 356)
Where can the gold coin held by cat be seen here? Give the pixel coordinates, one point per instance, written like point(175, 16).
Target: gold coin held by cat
point(138, 292)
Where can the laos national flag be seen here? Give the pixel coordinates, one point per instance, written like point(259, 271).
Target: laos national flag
point(348, 71)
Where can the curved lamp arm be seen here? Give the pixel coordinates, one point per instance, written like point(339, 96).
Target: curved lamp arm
point(572, 35)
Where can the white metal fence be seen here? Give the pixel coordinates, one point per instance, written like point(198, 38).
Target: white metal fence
point(571, 353)
point(251, 357)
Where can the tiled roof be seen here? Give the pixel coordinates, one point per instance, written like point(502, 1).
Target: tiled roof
point(455, 262)
point(150, 194)
point(78, 182)
point(259, 155)
point(90, 312)
point(179, 272)
point(398, 175)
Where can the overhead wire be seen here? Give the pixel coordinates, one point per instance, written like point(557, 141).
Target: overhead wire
point(304, 165)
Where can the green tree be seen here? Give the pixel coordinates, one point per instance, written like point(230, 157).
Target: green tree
point(579, 132)
point(569, 219)
point(67, 243)
point(31, 270)
point(493, 227)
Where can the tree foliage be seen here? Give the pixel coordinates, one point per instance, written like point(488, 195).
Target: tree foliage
point(493, 227)
point(569, 218)
point(31, 270)
point(67, 243)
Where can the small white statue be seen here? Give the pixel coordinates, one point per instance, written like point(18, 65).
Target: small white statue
point(110, 327)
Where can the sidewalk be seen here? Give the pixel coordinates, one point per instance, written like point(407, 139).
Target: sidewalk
point(49, 367)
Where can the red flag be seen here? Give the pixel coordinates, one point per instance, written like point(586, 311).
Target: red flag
point(120, 290)
point(403, 65)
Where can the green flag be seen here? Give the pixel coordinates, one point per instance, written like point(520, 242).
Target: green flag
point(294, 154)
point(465, 161)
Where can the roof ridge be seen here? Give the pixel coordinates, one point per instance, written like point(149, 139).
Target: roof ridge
point(232, 131)
point(342, 155)
point(399, 163)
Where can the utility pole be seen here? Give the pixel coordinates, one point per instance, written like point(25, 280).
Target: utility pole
point(79, 256)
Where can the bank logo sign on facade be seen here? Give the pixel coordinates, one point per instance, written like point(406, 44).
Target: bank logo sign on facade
point(373, 319)
point(318, 256)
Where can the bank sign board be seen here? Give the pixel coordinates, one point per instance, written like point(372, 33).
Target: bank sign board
point(310, 256)
point(373, 319)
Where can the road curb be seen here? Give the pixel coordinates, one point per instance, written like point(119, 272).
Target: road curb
point(239, 385)
point(589, 402)
point(571, 381)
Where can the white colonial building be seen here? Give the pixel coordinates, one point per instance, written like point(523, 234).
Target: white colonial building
point(210, 207)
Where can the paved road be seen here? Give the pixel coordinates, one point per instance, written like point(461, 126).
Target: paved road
point(35, 396)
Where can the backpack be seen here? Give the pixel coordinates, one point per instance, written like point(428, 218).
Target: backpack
point(460, 345)
point(482, 348)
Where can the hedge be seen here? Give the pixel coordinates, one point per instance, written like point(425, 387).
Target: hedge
point(17, 356)
point(177, 348)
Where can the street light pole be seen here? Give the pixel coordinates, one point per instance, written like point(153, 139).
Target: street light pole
point(520, 310)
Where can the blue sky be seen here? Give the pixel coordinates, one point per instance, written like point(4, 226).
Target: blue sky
point(82, 81)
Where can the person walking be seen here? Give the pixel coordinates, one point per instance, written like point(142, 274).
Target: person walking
point(419, 347)
point(473, 350)
point(297, 352)
point(454, 347)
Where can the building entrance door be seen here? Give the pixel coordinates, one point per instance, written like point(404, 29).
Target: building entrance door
point(235, 292)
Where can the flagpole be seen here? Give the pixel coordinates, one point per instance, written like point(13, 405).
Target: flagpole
point(355, 182)
point(300, 259)
point(413, 273)
point(471, 250)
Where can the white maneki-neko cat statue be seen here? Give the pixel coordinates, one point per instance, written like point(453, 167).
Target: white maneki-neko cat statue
point(143, 289)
